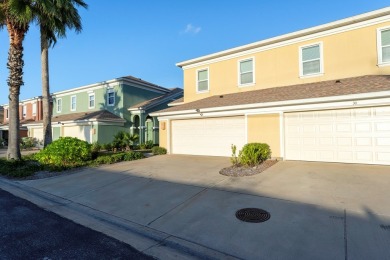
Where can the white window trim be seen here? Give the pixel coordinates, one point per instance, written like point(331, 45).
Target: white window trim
point(208, 80)
point(253, 72)
point(320, 44)
point(379, 46)
point(34, 105)
point(110, 90)
point(24, 111)
point(59, 110)
point(75, 103)
point(89, 101)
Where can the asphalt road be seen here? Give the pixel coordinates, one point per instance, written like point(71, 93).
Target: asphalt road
point(29, 232)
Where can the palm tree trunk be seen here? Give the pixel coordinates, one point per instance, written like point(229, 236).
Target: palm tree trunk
point(15, 81)
point(47, 135)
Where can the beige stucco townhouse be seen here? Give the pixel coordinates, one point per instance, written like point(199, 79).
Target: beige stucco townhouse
point(320, 94)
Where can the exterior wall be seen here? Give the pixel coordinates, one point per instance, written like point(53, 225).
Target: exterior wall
point(56, 132)
point(163, 134)
point(265, 129)
point(105, 133)
point(29, 111)
point(346, 54)
point(82, 101)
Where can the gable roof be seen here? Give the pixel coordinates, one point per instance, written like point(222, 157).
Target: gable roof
point(176, 102)
point(158, 100)
point(330, 88)
point(100, 115)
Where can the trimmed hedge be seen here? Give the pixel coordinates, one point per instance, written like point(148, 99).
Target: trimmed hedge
point(159, 150)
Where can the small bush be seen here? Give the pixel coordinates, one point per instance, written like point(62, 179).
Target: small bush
point(254, 153)
point(234, 159)
point(107, 147)
point(95, 149)
point(28, 142)
point(131, 156)
point(159, 150)
point(65, 152)
point(149, 144)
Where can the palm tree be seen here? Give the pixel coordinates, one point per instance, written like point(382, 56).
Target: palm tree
point(16, 15)
point(54, 17)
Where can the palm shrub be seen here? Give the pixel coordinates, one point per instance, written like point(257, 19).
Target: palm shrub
point(254, 153)
point(66, 151)
point(123, 140)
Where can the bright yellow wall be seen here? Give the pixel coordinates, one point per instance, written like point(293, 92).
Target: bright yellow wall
point(265, 129)
point(347, 54)
point(163, 134)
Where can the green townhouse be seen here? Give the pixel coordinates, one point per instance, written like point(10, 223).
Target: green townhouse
point(95, 113)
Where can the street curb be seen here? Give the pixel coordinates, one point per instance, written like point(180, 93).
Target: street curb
point(145, 239)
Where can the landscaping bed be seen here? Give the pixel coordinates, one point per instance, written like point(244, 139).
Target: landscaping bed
point(241, 171)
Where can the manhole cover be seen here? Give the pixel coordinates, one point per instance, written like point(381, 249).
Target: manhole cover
point(253, 215)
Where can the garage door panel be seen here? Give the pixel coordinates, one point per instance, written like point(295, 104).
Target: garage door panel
point(212, 136)
point(359, 135)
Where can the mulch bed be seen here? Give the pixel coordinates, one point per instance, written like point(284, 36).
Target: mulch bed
point(241, 171)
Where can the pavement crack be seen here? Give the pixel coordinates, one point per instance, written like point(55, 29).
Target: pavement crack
point(178, 205)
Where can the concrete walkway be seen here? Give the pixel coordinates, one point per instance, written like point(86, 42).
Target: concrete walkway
point(179, 206)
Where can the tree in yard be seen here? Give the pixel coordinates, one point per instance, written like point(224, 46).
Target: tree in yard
point(55, 17)
point(16, 16)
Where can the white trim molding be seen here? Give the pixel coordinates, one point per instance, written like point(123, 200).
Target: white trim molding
point(71, 103)
point(379, 46)
point(89, 100)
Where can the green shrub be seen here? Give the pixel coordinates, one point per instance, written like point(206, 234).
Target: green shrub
point(131, 156)
point(65, 152)
point(123, 140)
point(107, 147)
point(19, 169)
point(159, 150)
point(149, 144)
point(254, 153)
point(28, 142)
point(234, 159)
point(95, 149)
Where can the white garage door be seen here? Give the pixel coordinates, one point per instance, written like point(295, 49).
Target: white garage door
point(37, 133)
point(81, 132)
point(212, 136)
point(360, 135)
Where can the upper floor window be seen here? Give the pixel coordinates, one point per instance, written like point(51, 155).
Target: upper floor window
point(311, 60)
point(383, 46)
point(34, 109)
point(6, 114)
point(73, 103)
point(59, 105)
point(91, 100)
point(202, 80)
point(24, 111)
point(111, 97)
point(246, 75)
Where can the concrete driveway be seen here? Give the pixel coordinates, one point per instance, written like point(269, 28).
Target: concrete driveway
point(318, 210)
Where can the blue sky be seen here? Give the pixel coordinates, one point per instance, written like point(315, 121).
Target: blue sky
point(147, 38)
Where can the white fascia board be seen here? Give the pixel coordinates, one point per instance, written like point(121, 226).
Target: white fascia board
point(104, 84)
point(352, 23)
point(370, 95)
point(288, 107)
point(175, 104)
point(33, 125)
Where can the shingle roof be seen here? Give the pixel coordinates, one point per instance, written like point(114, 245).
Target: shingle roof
point(347, 86)
point(180, 100)
point(102, 115)
point(153, 101)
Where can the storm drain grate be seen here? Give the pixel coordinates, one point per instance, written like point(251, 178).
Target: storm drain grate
point(253, 215)
point(385, 227)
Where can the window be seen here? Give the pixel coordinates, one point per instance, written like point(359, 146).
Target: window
point(73, 103)
point(59, 105)
point(24, 111)
point(110, 97)
point(383, 46)
point(202, 80)
point(311, 60)
point(6, 114)
point(246, 75)
point(91, 100)
point(34, 109)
